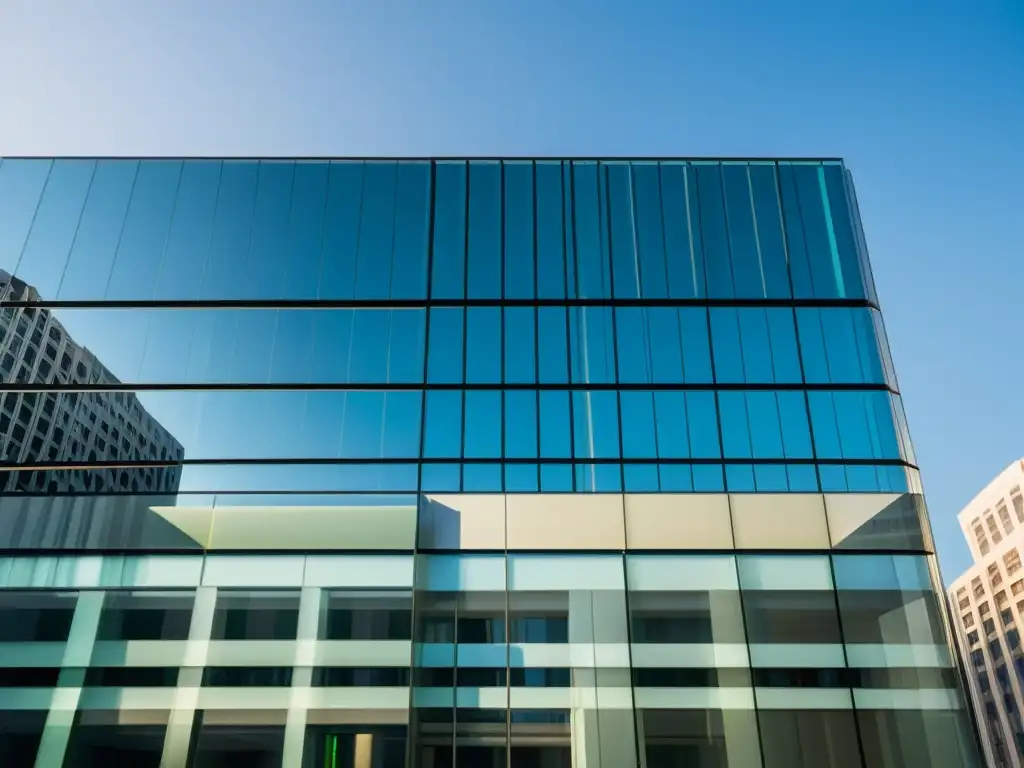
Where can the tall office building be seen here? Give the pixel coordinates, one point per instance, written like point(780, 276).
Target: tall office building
point(987, 602)
point(589, 463)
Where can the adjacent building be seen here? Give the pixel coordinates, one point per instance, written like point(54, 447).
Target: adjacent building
point(483, 462)
point(987, 602)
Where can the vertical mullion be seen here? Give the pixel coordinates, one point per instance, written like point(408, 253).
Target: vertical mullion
point(536, 326)
point(568, 331)
point(501, 332)
point(465, 334)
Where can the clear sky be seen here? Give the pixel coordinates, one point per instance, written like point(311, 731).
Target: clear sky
point(924, 100)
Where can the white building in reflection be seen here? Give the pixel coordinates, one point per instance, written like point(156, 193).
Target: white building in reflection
point(987, 602)
point(37, 428)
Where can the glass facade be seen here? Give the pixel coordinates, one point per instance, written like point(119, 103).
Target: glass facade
point(425, 463)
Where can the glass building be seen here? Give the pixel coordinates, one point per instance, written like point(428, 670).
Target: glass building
point(530, 463)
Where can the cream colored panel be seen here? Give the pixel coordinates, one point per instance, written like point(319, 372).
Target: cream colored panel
point(311, 528)
point(565, 521)
point(678, 521)
point(462, 521)
point(779, 521)
point(877, 521)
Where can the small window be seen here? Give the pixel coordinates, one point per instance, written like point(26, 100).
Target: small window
point(972, 637)
point(969, 620)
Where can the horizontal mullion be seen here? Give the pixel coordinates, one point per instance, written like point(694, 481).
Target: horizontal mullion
point(19, 386)
point(385, 304)
point(581, 460)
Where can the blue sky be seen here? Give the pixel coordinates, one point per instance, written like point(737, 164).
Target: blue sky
point(923, 101)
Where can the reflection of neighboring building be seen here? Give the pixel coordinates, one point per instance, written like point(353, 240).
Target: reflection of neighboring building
point(987, 602)
point(69, 427)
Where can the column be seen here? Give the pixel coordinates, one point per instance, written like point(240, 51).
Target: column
point(302, 676)
point(74, 663)
point(186, 696)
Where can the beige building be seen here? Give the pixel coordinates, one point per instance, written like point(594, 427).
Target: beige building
point(987, 602)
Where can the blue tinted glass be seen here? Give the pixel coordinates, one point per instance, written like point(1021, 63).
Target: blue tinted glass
point(552, 352)
point(683, 256)
point(770, 238)
point(555, 421)
point(812, 345)
point(770, 478)
point(803, 478)
point(519, 231)
point(784, 349)
point(556, 478)
point(796, 241)
point(569, 233)
point(702, 422)
point(522, 478)
point(411, 231)
point(664, 342)
point(823, 424)
point(331, 343)
point(483, 345)
point(598, 478)
point(593, 345)
point(595, 417)
point(99, 230)
point(550, 231)
point(444, 347)
point(837, 327)
point(293, 346)
point(796, 433)
point(714, 232)
point(481, 478)
point(56, 220)
point(708, 478)
point(441, 478)
point(868, 346)
point(639, 433)
point(376, 232)
point(368, 351)
point(520, 363)
point(693, 330)
point(592, 276)
point(625, 259)
point(863, 479)
point(188, 239)
point(232, 232)
point(405, 345)
point(632, 345)
point(725, 340)
point(743, 241)
point(450, 202)
point(765, 428)
point(483, 414)
point(672, 425)
point(739, 478)
point(757, 350)
point(855, 425)
point(640, 477)
point(485, 269)
point(520, 425)
point(264, 273)
point(443, 425)
point(650, 233)
point(732, 411)
point(840, 217)
point(341, 231)
point(402, 417)
point(675, 478)
point(301, 276)
point(21, 184)
point(821, 248)
point(251, 358)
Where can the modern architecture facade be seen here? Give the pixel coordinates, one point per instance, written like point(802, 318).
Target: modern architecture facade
point(987, 602)
point(485, 462)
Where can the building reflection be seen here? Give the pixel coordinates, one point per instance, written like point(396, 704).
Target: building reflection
point(38, 429)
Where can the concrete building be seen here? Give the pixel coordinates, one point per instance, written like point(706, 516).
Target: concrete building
point(46, 428)
point(987, 602)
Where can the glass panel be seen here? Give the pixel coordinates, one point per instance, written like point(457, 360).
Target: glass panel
point(550, 231)
point(485, 230)
point(98, 737)
point(520, 340)
point(188, 238)
point(521, 440)
point(625, 259)
point(341, 230)
point(55, 223)
point(520, 269)
point(411, 231)
point(450, 206)
point(683, 255)
point(99, 231)
point(445, 362)
point(242, 615)
point(650, 233)
point(264, 265)
point(483, 345)
point(744, 246)
point(145, 616)
point(374, 259)
point(22, 182)
point(770, 237)
point(221, 745)
point(232, 232)
point(592, 344)
point(443, 425)
point(484, 413)
point(807, 739)
point(592, 273)
point(714, 232)
point(304, 251)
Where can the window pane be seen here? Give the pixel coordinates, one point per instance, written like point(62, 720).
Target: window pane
point(443, 425)
point(550, 231)
point(483, 412)
point(639, 431)
point(483, 345)
point(683, 256)
point(232, 232)
point(625, 260)
point(21, 184)
point(449, 269)
point(593, 345)
point(412, 223)
point(341, 230)
point(520, 425)
point(595, 418)
point(554, 425)
point(376, 232)
point(770, 238)
point(519, 231)
point(445, 361)
point(520, 335)
point(650, 234)
point(592, 274)
point(485, 278)
point(748, 273)
point(264, 270)
point(714, 232)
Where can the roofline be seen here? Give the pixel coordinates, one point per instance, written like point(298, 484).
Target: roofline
point(442, 158)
